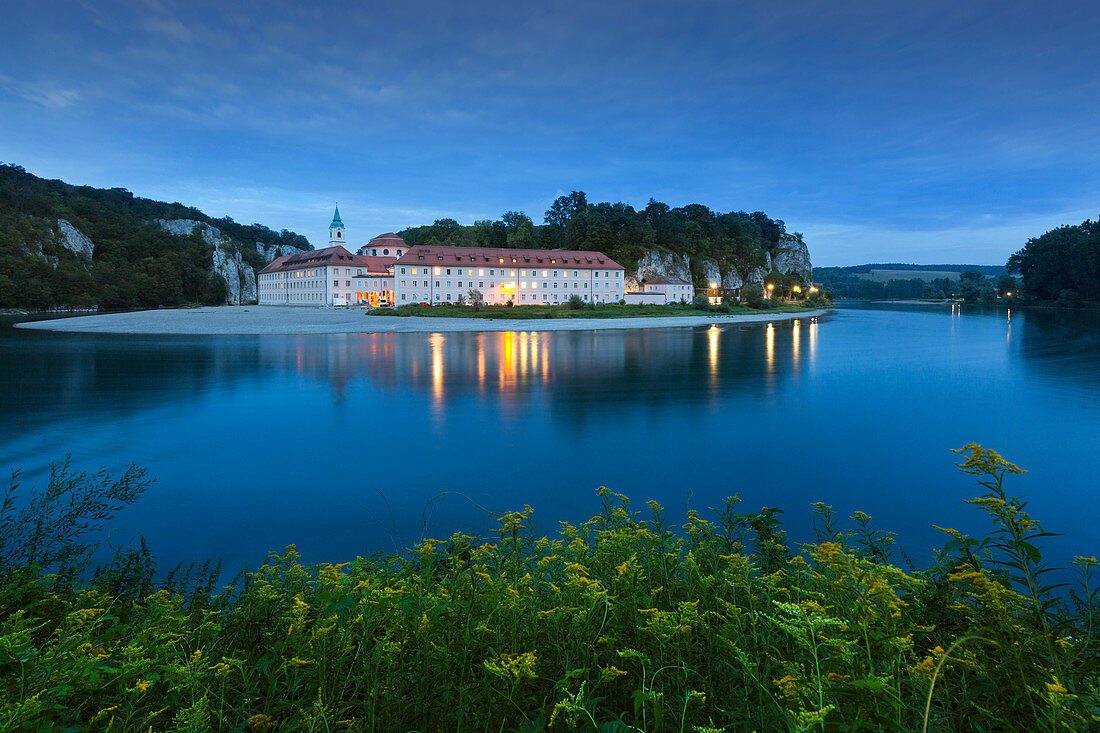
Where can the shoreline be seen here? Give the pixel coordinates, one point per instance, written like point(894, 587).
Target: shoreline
point(295, 320)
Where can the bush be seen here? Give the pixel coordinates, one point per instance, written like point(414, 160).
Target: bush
point(1069, 299)
point(620, 623)
point(575, 302)
point(702, 302)
point(753, 295)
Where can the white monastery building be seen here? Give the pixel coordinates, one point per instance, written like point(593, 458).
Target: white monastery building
point(333, 275)
point(673, 289)
point(521, 276)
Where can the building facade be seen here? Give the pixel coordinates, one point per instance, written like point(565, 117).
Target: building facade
point(329, 276)
point(439, 275)
point(674, 289)
point(385, 245)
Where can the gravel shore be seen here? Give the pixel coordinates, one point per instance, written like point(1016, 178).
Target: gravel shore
point(254, 320)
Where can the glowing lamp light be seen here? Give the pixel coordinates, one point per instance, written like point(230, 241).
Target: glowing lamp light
point(1009, 294)
point(797, 288)
point(771, 286)
point(714, 285)
point(813, 289)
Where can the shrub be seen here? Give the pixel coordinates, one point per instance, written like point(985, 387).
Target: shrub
point(753, 295)
point(1069, 299)
point(575, 302)
point(702, 302)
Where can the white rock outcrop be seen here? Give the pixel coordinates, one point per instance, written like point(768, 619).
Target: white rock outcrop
point(659, 264)
point(791, 255)
point(271, 251)
point(74, 240)
point(240, 278)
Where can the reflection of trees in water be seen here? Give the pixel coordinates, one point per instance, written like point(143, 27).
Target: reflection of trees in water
point(47, 376)
point(1062, 344)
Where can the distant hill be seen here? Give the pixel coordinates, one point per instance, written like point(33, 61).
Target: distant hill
point(894, 280)
point(65, 246)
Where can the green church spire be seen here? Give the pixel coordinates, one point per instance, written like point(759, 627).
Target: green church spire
point(336, 219)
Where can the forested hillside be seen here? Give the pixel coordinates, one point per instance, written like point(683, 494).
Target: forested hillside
point(740, 245)
point(1062, 265)
point(895, 281)
point(64, 246)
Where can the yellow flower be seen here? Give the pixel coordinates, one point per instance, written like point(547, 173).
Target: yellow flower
point(296, 662)
point(142, 686)
point(516, 667)
point(261, 721)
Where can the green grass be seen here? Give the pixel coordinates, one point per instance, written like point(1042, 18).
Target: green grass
point(612, 310)
point(631, 621)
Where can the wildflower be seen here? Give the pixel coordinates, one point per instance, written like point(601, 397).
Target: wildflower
point(610, 672)
point(513, 666)
point(261, 721)
point(141, 686)
point(787, 685)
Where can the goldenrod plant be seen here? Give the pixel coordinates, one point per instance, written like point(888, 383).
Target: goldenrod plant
point(623, 623)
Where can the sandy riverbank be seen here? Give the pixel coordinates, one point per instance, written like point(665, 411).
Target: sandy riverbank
point(253, 320)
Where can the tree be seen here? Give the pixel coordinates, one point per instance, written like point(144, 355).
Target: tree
point(975, 288)
point(520, 230)
point(1006, 286)
point(475, 297)
point(752, 294)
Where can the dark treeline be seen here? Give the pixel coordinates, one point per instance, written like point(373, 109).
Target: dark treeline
point(1062, 265)
point(135, 263)
point(735, 240)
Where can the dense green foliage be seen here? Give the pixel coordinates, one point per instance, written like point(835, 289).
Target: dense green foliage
point(1061, 265)
point(737, 241)
point(624, 623)
point(135, 263)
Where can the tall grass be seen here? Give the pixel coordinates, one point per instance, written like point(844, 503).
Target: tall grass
point(628, 622)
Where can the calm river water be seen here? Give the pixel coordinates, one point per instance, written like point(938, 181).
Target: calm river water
point(339, 442)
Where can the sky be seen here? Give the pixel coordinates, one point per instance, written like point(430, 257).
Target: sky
point(929, 132)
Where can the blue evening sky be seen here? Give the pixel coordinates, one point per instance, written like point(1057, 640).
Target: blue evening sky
point(921, 132)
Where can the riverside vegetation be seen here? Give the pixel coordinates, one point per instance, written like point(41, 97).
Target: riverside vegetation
point(626, 622)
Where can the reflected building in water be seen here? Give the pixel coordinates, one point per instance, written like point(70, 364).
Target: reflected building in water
point(564, 371)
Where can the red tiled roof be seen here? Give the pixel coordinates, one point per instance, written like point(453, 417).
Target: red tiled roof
point(451, 255)
point(388, 238)
point(336, 255)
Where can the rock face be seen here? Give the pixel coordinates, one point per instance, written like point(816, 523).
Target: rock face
point(271, 251)
point(74, 240)
point(654, 264)
point(792, 256)
point(240, 278)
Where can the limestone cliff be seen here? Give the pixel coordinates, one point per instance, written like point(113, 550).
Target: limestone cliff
point(240, 278)
point(789, 255)
point(271, 251)
point(74, 240)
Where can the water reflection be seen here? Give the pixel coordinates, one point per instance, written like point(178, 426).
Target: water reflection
point(261, 441)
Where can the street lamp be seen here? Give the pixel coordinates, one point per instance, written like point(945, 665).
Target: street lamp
point(771, 287)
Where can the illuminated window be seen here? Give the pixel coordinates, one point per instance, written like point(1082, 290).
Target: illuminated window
point(544, 273)
point(481, 273)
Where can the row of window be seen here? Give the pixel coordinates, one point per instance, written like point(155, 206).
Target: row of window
point(511, 273)
point(491, 298)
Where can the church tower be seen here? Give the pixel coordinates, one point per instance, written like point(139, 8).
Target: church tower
point(336, 230)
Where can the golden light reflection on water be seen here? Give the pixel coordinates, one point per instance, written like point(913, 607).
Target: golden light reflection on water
point(712, 344)
point(769, 348)
point(813, 339)
point(795, 334)
point(435, 343)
